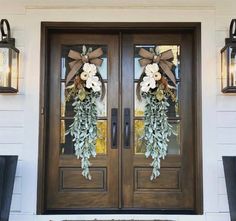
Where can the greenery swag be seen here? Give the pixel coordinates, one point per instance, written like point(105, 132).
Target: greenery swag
point(86, 88)
point(153, 87)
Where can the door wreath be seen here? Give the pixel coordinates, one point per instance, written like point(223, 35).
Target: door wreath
point(86, 88)
point(153, 86)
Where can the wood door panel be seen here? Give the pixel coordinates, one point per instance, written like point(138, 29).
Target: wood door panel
point(65, 200)
point(66, 187)
point(168, 181)
point(162, 201)
point(71, 180)
point(174, 188)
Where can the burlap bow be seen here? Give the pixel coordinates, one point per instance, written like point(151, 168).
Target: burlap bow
point(161, 59)
point(92, 57)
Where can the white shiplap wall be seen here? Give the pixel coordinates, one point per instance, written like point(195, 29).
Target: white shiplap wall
point(19, 113)
point(226, 109)
point(12, 120)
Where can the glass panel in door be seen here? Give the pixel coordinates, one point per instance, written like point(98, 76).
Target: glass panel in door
point(67, 112)
point(173, 110)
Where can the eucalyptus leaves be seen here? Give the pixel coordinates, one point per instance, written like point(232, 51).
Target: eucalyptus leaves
point(154, 89)
point(87, 87)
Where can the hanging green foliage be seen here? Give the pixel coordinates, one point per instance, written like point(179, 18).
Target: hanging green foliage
point(153, 87)
point(157, 130)
point(86, 88)
point(84, 129)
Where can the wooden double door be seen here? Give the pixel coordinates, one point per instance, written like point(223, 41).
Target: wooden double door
point(120, 172)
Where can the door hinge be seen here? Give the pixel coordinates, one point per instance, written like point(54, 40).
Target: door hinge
point(42, 111)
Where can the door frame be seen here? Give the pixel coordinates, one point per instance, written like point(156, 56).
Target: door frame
point(48, 28)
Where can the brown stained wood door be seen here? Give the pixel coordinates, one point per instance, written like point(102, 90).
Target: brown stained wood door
point(121, 174)
point(174, 188)
point(66, 188)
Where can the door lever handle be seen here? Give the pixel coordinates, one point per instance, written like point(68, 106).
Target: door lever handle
point(114, 135)
point(127, 128)
point(114, 128)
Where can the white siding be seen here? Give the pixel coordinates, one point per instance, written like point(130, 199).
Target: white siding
point(12, 117)
point(226, 109)
point(19, 113)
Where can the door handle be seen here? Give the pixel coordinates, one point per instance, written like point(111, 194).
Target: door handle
point(127, 128)
point(114, 117)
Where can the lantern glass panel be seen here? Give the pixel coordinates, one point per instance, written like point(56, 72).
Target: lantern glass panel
point(232, 66)
point(4, 67)
point(14, 68)
point(224, 65)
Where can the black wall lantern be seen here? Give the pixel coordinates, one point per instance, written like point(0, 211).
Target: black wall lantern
point(9, 60)
point(228, 61)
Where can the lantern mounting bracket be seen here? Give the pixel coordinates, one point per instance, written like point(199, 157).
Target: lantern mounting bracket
point(6, 35)
point(232, 32)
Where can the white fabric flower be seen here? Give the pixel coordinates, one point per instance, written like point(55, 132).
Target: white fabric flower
point(147, 83)
point(157, 76)
point(94, 83)
point(91, 69)
point(84, 76)
point(151, 69)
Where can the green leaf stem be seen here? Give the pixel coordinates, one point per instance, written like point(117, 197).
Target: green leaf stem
point(84, 129)
point(157, 129)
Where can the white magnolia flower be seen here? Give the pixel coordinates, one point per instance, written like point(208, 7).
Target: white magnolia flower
point(152, 70)
point(147, 83)
point(157, 76)
point(94, 83)
point(91, 69)
point(84, 76)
